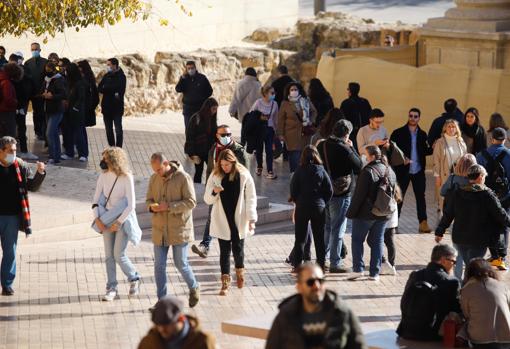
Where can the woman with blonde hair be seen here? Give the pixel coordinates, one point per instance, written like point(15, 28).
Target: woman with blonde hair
point(458, 179)
point(231, 192)
point(448, 149)
point(115, 189)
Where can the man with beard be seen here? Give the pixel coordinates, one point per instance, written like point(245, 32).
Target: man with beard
point(315, 317)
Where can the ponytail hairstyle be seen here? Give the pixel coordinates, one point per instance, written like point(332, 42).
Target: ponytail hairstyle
point(375, 151)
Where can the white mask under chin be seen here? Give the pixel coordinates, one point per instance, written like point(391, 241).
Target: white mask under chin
point(9, 158)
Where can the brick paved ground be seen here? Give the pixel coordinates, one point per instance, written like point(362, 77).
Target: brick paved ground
point(59, 284)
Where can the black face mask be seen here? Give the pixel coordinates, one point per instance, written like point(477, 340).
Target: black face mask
point(103, 165)
point(50, 74)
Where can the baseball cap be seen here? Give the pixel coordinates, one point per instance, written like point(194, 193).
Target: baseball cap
point(19, 54)
point(167, 310)
point(499, 134)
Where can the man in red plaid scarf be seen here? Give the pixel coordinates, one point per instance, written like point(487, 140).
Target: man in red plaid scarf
point(15, 181)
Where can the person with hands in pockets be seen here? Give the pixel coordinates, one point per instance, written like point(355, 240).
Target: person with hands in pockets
point(231, 191)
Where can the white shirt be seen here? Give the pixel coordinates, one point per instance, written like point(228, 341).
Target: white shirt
point(124, 188)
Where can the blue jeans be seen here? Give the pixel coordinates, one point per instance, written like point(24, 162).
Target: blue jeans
point(336, 224)
point(373, 232)
point(206, 240)
point(53, 135)
point(267, 142)
point(180, 253)
point(294, 156)
point(465, 254)
point(115, 245)
point(9, 226)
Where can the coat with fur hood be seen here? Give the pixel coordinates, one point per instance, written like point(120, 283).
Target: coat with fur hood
point(246, 208)
point(175, 226)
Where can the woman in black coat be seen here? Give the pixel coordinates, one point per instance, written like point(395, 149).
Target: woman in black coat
point(310, 191)
point(320, 98)
point(201, 135)
point(472, 132)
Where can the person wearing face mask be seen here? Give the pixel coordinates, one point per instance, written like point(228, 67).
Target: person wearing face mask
point(223, 141)
point(15, 181)
point(55, 94)
point(200, 136)
point(3, 61)
point(296, 118)
point(113, 88)
point(173, 329)
point(116, 185)
point(8, 103)
point(268, 109)
point(195, 89)
point(247, 91)
point(34, 69)
point(24, 89)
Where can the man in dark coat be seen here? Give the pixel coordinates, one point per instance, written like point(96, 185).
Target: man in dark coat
point(113, 88)
point(34, 69)
point(422, 311)
point(412, 140)
point(280, 83)
point(173, 329)
point(451, 112)
point(315, 317)
point(356, 109)
point(195, 89)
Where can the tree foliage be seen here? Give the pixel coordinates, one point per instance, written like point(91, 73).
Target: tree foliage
point(48, 17)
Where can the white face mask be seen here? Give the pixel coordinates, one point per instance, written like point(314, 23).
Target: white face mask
point(293, 94)
point(192, 71)
point(9, 158)
point(225, 140)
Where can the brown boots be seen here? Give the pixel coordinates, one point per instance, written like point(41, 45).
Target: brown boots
point(225, 284)
point(226, 280)
point(424, 227)
point(240, 277)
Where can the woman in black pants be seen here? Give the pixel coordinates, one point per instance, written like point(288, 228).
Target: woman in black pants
point(201, 135)
point(310, 190)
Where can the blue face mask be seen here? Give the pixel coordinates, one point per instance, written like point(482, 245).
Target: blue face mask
point(225, 140)
point(36, 54)
point(9, 159)
point(109, 69)
point(272, 97)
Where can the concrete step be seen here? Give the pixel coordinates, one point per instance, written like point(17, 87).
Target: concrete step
point(274, 218)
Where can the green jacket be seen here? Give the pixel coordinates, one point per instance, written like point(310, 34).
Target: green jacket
point(238, 150)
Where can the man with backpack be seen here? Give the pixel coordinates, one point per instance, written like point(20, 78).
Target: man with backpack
point(429, 296)
point(496, 160)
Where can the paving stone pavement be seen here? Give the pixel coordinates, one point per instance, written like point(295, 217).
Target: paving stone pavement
point(59, 284)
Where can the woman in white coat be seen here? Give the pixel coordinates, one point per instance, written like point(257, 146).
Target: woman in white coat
point(231, 192)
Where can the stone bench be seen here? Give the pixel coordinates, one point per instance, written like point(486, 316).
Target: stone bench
point(377, 338)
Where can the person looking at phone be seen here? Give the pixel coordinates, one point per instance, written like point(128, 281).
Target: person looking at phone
point(231, 192)
point(171, 199)
point(374, 133)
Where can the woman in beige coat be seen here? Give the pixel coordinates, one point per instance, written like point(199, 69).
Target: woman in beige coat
point(231, 192)
point(485, 303)
point(447, 151)
point(295, 122)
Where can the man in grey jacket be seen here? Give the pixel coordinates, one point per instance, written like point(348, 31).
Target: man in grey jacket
point(315, 317)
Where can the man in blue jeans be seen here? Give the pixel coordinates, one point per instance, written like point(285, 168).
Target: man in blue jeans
point(171, 199)
point(342, 162)
point(223, 141)
point(15, 181)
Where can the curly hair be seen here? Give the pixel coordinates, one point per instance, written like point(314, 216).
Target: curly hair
point(117, 160)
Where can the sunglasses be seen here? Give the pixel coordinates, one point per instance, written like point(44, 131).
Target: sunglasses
point(454, 261)
point(414, 116)
point(225, 134)
point(311, 281)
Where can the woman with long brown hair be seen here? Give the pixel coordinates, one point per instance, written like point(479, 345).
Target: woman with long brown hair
point(231, 192)
point(201, 135)
point(310, 191)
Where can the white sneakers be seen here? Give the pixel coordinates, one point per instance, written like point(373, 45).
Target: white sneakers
point(388, 269)
point(110, 295)
point(65, 157)
point(82, 159)
point(356, 276)
point(134, 288)
point(28, 156)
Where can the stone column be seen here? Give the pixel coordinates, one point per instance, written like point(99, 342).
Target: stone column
point(474, 33)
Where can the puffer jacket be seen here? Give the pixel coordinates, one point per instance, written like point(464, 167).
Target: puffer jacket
point(175, 226)
point(366, 191)
point(477, 214)
point(343, 328)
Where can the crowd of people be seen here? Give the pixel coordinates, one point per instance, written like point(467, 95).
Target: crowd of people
point(344, 164)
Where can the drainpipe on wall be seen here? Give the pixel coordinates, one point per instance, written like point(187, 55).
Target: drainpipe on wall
point(319, 5)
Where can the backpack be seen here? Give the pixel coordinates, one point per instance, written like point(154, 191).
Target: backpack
point(497, 179)
point(418, 306)
point(384, 203)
